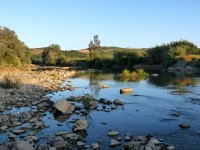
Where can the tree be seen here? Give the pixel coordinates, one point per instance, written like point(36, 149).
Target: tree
point(94, 48)
point(52, 55)
point(12, 50)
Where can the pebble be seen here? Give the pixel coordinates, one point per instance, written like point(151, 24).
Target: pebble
point(177, 114)
point(104, 123)
point(114, 143)
point(113, 133)
point(95, 146)
point(18, 131)
point(184, 126)
point(119, 138)
point(127, 138)
point(80, 144)
point(171, 148)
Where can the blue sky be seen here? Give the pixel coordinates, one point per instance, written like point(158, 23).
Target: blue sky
point(125, 23)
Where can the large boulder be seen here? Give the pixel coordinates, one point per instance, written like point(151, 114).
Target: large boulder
point(64, 106)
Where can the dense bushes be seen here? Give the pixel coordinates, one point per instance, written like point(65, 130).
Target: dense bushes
point(12, 50)
point(167, 54)
point(128, 57)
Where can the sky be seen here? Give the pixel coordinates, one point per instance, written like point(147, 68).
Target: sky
point(123, 23)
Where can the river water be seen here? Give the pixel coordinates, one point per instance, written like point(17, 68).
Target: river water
point(147, 110)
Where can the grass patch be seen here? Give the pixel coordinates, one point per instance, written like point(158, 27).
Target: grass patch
point(189, 57)
point(9, 82)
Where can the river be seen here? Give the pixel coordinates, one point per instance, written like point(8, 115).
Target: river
point(147, 110)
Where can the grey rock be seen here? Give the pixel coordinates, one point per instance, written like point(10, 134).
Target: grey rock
point(59, 142)
point(184, 125)
point(80, 125)
point(61, 133)
point(23, 145)
point(52, 148)
point(127, 138)
point(155, 141)
point(171, 148)
point(118, 102)
point(4, 147)
point(132, 145)
point(18, 131)
point(119, 138)
point(3, 128)
point(95, 146)
point(114, 143)
point(80, 144)
point(177, 114)
point(12, 136)
point(113, 107)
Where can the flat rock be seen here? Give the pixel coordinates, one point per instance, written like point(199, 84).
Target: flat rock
point(80, 125)
point(18, 131)
point(184, 126)
point(64, 106)
point(118, 102)
point(114, 143)
point(95, 146)
point(80, 144)
point(127, 138)
point(113, 133)
point(171, 148)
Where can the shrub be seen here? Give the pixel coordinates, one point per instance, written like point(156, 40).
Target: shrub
point(126, 74)
point(138, 75)
point(133, 76)
point(10, 82)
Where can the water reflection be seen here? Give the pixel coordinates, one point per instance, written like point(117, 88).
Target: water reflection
point(60, 117)
point(179, 79)
point(177, 82)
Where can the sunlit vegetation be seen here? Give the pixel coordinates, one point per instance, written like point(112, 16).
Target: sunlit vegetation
point(99, 57)
point(167, 54)
point(13, 52)
point(136, 75)
point(10, 82)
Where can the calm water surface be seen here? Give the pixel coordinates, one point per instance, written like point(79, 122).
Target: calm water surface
point(148, 112)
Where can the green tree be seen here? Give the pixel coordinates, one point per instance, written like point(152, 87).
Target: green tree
point(12, 50)
point(94, 48)
point(52, 55)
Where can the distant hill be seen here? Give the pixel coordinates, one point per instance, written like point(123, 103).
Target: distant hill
point(111, 48)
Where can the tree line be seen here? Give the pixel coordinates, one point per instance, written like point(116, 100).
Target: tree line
point(14, 52)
